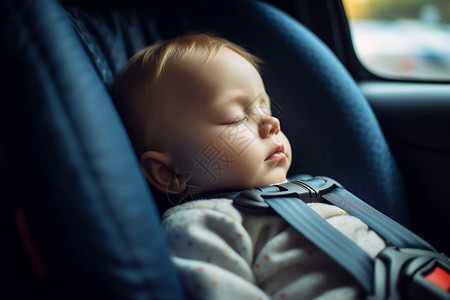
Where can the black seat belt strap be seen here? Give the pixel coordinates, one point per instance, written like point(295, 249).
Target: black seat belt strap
point(341, 249)
point(300, 216)
point(386, 227)
point(413, 270)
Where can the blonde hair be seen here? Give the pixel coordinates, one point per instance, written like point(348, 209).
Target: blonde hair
point(132, 91)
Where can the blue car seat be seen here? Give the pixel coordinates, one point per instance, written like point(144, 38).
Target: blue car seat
point(79, 216)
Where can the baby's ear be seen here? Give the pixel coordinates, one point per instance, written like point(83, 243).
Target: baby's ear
point(160, 171)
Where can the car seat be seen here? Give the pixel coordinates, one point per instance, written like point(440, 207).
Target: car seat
point(79, 216)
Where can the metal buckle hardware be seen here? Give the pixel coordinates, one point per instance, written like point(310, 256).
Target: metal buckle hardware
point(252, 200)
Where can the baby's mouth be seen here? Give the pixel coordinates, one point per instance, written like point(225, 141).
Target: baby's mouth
point(277, 155)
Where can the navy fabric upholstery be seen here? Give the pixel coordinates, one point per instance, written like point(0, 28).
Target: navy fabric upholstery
point(104, 228)
point(98, 209)
point(331, 127)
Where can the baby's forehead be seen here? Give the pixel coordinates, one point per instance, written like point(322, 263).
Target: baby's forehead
point(198, 81)
point(179, 92)
point(186, 79)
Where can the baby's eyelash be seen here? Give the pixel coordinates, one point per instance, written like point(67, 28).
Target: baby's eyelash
point(238, 122)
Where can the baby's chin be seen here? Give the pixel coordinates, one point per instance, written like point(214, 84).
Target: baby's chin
point(285, 180)
point(272, 181)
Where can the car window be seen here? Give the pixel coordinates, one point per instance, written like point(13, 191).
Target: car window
point(402, 38)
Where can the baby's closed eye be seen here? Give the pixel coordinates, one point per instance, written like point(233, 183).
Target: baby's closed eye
point(237, 122)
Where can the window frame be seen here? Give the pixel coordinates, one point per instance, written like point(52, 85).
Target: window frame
point(328, 20)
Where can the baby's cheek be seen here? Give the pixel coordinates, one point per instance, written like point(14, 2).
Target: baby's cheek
point(211, 164)
point(250, 165)
point(287, 145)
point(235, 140)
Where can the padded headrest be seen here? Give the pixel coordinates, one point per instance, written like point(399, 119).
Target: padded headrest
point(330, 125)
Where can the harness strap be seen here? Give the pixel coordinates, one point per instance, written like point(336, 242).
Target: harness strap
point(392, 231)
point(341, 249)
point(393, 271)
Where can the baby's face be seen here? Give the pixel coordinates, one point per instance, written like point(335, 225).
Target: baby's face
point(222, 131)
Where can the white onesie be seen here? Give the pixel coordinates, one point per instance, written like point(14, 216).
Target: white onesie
point(223, 253)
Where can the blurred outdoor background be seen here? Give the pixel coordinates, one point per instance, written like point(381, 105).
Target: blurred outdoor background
point(402, 38)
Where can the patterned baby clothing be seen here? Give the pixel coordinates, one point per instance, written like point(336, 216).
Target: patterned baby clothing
point(223, 253)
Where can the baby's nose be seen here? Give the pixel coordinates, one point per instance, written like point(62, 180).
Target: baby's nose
point(268, 125)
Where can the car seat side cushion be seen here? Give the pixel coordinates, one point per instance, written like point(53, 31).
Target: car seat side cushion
point(105, 219)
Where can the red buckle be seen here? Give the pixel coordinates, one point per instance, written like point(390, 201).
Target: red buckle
point(439, 277)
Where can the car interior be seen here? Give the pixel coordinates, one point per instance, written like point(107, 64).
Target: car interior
point(79, 219)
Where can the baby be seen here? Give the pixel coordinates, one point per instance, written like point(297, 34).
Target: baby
point(196, 110)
